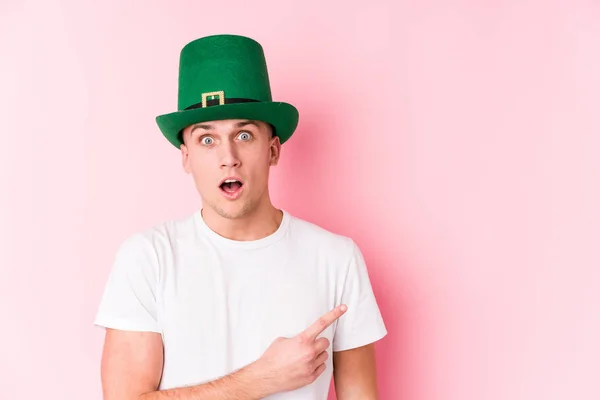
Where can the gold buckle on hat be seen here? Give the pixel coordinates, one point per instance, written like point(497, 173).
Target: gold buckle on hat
point(220, 93)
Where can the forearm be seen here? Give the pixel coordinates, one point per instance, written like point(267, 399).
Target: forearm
point(246, 383)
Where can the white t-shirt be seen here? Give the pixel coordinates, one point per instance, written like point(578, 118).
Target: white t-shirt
point(219, 303)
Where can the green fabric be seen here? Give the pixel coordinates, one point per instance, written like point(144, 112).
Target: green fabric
point(235, 65)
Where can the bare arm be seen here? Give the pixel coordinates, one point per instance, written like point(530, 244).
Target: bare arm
point(355, 375)
point(242, 384)
point(132, 364)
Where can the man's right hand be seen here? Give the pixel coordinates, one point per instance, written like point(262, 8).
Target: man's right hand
point(132, 364)
point(291, 363)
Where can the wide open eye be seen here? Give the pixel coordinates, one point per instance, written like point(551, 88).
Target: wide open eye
point(207, 140)
point(245, 136)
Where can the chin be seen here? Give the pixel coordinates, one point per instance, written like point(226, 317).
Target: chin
point(234, 210)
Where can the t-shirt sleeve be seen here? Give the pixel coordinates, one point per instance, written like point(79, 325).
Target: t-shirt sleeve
point(129, 298)
point(362, 323)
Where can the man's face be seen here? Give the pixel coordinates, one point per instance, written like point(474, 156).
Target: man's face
point(230, 162)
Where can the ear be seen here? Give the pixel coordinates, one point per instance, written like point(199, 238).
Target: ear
point(185, 159)
point(275, 151)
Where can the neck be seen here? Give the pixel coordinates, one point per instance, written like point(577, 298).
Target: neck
point(257, 224)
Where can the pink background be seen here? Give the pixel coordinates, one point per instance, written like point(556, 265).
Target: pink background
point(458, 144)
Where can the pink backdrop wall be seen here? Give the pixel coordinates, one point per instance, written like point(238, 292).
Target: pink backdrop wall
point(458, 144)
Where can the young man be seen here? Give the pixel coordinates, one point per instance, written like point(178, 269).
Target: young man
point(240, 300)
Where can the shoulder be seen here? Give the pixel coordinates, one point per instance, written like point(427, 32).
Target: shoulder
point(160, 236)
point(318, 237)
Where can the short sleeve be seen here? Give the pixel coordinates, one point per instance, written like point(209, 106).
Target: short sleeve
point(129, 298)
point(362, 323)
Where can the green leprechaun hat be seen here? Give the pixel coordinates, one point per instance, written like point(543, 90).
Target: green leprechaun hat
point(225, 77)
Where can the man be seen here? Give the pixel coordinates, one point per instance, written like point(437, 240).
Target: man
point(239, 300)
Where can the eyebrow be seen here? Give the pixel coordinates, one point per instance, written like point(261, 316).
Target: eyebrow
point(238, 125)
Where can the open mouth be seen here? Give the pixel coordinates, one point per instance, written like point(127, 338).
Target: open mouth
point(231, 187)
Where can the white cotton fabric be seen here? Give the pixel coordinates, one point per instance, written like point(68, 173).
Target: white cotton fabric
point(219, 303)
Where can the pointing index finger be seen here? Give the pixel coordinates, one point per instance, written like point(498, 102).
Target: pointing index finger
point(323, 323)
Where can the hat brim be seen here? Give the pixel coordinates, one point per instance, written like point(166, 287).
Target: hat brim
point(282, 116)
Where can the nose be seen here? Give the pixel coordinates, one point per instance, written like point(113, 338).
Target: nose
point(229, 157)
